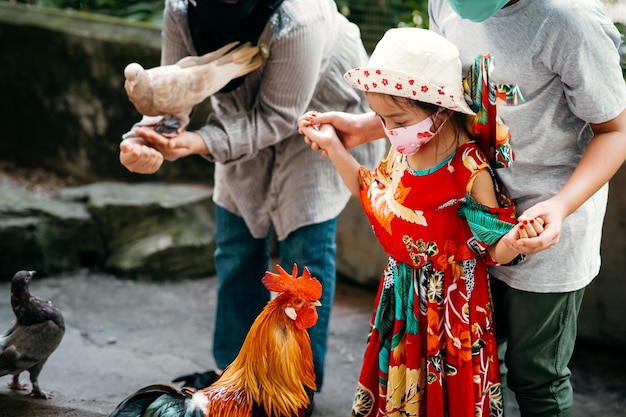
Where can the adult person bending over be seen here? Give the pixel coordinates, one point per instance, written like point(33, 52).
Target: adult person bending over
point(266, 178)
point(569, 138)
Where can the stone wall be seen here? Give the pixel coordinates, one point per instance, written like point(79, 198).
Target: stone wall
point(64, 108)
point(64, 105)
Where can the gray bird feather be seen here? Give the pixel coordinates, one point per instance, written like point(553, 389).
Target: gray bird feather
point(36, 333)
point(171, 91)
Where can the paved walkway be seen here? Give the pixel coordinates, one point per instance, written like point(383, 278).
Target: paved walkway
point(123, 334)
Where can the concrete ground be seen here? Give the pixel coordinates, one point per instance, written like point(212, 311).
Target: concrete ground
point(125, 334)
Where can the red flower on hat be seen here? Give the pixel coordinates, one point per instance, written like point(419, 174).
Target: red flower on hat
point(378, 71)
point(441, 92)
point(384, 81)
point(374, 85)
point(398, 86)
point(424, 89)
point(366, 73)
point(367, 87)
point(411, 82)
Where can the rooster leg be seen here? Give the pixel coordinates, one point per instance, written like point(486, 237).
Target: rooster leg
point(15, 384)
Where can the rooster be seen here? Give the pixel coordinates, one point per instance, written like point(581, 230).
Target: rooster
point(272, 372)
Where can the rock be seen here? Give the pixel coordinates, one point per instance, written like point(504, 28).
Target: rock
point(44, 234)
point(142, 230)
point(360, 258)
point(152, 230)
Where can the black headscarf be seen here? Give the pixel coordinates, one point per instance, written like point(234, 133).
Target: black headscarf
point(214, 23)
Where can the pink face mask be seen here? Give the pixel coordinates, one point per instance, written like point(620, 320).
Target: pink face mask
point(409, 139)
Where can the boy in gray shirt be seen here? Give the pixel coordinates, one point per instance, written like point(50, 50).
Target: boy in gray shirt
point(569, 137)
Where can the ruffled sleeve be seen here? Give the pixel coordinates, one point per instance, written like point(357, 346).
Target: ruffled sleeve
point(488, 224)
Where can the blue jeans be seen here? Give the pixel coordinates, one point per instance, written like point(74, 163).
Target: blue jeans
point(536, 333)
point(241, 262)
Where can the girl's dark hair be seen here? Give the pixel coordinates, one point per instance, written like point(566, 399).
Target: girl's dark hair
point(458, 119)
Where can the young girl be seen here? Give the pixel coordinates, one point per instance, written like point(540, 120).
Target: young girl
point(434, 208)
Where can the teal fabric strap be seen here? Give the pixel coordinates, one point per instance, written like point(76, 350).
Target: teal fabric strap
point(486, 226)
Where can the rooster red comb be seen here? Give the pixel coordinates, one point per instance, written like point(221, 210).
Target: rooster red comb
point(307, 285)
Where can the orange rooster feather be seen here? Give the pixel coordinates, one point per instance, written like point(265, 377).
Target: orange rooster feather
point(269, 375)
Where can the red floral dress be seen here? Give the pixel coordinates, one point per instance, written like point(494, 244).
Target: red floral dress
point(432, 349)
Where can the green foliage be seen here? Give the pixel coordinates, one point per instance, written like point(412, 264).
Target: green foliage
point(135, 10)
point(394, 12)
point(374, 17)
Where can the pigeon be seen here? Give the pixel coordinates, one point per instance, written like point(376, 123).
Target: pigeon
point(36, 333)
point(166, 95)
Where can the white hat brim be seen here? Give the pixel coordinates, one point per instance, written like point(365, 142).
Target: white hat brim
point(395, 83)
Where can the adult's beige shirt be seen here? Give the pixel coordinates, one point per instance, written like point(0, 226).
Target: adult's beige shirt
point(264, 171)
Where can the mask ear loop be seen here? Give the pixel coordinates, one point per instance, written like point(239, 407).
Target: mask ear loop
point(435, 115)
point(434, 118)
point(382, 122)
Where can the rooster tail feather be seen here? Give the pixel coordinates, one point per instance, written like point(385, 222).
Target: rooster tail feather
point(162, 401)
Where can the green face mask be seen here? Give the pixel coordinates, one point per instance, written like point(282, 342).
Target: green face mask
point(477, 10)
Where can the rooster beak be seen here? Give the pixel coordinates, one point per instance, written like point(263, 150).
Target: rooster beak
point(316, 304)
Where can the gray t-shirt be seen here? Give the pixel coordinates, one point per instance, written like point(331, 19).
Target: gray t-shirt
point(563, 56)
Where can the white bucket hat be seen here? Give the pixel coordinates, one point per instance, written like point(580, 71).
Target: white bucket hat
point(414, 63)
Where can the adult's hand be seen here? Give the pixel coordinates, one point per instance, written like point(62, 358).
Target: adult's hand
point(353, 129)
point(183, 144)
point(139, 157)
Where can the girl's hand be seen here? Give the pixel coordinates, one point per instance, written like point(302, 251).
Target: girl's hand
point(319, 136)
point(305, 123)
point(352, 129)
point(529, 228)
point(306, 120)
point(551, 214)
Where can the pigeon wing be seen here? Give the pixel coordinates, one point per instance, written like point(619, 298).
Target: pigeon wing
point(239, 62)
point(29, 345)
point(190, 61)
